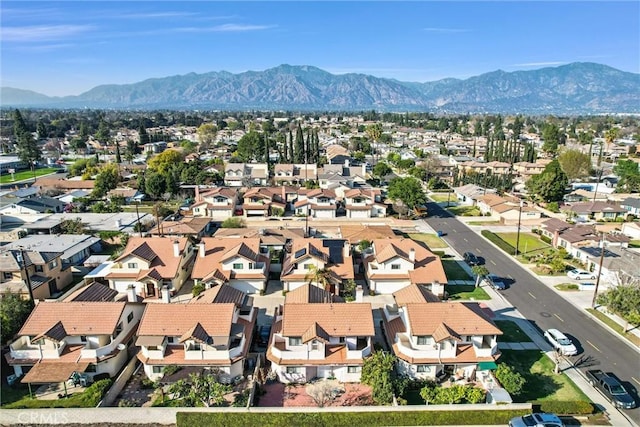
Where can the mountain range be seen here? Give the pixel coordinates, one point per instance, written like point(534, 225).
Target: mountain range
point(576, 88)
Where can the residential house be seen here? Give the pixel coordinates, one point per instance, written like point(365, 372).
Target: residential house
point(33, 205)
point(196, 227)
point(631, 229)
point(356, 233)
point(152, 264)
point(317, 203)
point(396, 263)
point(218, 203)
point(74, 248)
point(327, 340)
point(246, 174)
point(294, 174)
point(42, 270)
point(84, 337)
point(632, 206)
point(237, 262)
point(509, 210)
point(264, 201)
point(311, 294)
point(619, 264)
point(202, 336)
point(526, 170)
point(448, 338)
point(304, 257)
point(130, 195)
point(596, 211)
point(360, 203)
point(469, 194)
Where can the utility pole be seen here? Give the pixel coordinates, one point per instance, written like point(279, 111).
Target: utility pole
point(595, 291)
point(518, 234)
point(137, 202)
point(23, 265)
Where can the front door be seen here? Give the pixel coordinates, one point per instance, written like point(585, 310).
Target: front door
point(53, 287)
point(151, 290)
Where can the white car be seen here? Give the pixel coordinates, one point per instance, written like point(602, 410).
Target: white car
point(581, 275)
point(560, 342)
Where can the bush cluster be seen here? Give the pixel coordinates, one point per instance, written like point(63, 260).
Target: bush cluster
point(578, 407)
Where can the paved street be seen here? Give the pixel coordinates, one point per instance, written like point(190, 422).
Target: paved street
point(544, 308)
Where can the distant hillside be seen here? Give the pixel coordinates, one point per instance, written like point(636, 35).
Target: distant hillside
point(578, 88)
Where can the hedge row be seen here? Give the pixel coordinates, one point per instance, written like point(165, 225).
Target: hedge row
point(492, 237)
point(578, 407)
point(336, 419)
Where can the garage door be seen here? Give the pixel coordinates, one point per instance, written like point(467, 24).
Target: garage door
point(389, 287)
point(247, 286)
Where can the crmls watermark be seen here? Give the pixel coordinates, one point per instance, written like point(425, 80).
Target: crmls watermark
point(43, 417)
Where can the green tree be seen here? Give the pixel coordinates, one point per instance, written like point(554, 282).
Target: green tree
point(299, 154)
point(480, 271)
point(234, 222)
point(429, 392)
point(200, 389)
point(41, 129)
point(14, 311)
point(106, 180)
point(103, 134)
point(551, 137)
point(381, 169)
point(629, 174)
point(550, 185)
point(322, 277)
point(574, 163)
point(154, 184)
point(19, 125)
point(206, 135)
point(510, 379)
point(143, 135)
point(624, 300)
point(165, 161)
point(408, 191)
point(118, 157)
point(374, 132)
point(28, 151)
point(610, 136)
point(250, 146)
point(378, 372)
point(474, 394)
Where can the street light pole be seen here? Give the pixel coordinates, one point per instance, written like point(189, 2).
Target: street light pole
point(518, 234)
point(595, 291)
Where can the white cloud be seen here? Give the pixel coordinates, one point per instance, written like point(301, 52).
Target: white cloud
point(37, 33)
point(151, 15)
point(224, 28)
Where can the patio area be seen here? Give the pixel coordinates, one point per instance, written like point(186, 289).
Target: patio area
point(297, 395)
point(56, 391)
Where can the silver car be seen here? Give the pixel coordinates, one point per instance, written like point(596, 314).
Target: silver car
point(560, 342)
point(536, 420)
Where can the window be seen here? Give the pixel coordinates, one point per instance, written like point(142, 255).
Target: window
point(195, 346)
point(91, 368)
point(117, 331)
point(7, 276)
point(293, 370)
point(39, 269)
point(130, 317)
point(314, 345)
point(341, 340)
point(153, 348)
point(423, 368)
point(53, 264)
point(157, 369)
point(395, 266)
point(307, 266)
point(170, 340)
point(251, 266)
point(83, 338)
point(132, 265)
point(424, 340)
point(237, 266)
point(353, 369)
point(295, 341)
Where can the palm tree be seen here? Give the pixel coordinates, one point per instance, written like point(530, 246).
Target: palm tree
point(322, 277)
point(610, 136)
point(480, 271)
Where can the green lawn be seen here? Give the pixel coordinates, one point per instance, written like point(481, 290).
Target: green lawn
point(634, 244)
point(464, 210)
point(467, 292)
point(511, 332)
point(528, 242)
point(442, 197)
point(454, 271)
point(431, 240)
point(542, 384)
point(14, 393)
point(567, 287)
point(22, 175)
point(614, 325)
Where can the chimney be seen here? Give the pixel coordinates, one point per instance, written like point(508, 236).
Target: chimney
point(284, 194)
point(346, 251)
point(201, 250)
point(131, 293)
point(364, 169)
point(176, 249)
point(196, 198)
point(165, 294)
point(346, 163)
point(359, 293)
point(412, 255)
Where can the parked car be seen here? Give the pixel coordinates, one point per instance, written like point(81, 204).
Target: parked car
point(263, 335)
point(494, 281)
point(560, 342)
point(611, 388)
point(470, 258)
point(536, 420)
point(581, 275)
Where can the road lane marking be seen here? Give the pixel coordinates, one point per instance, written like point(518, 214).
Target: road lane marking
point(532, 296)
point(558, 317)
point(491, 261)
point(465, 239)
point(478, 250)
point(591, 344)
point(454, 230)
point(635, 380)
point(509, 276)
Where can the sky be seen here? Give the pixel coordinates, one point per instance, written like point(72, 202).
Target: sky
point(69, 47)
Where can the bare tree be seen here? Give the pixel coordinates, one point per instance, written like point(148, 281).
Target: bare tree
point(323, 393)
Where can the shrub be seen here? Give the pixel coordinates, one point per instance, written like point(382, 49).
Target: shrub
point(510, 379)
point(277, 212)
point(545, 239)
point(233, 222)
point(147, 384)
point(553, 207)
point(170, 369)
point(197, 289)
point(578, 407)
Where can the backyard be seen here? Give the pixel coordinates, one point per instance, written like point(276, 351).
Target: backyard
point(442, 197)
point(542, 384)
